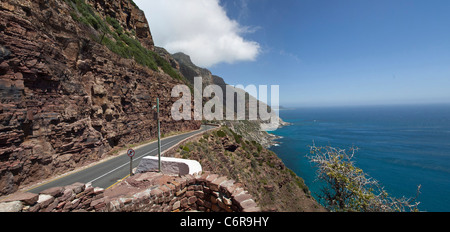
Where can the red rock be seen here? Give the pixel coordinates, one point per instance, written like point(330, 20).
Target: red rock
point(25, 197)
point(184, 203)
point(18, 76)
point(68, 193)
point(211, 178)
point(60, 205)
point(7, 6)
point(176, 205)
point(242, 197)
point(192, 200)
point(190, 193)
point(248, 204)
point(100, 206)
point(171, 187)
point(156, 192)
point(251, 210)
point(99, 201)
point(54, 192)
point(215, 184)
point(165, 190)
point(77, 187)
point(224, 186)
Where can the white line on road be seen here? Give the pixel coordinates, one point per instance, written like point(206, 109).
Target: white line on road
point(123, 165)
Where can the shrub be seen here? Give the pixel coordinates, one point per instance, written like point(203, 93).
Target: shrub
point(86, 15)
point(259, 147)
point(348, 188)
point(221, 134)
point(113, 22)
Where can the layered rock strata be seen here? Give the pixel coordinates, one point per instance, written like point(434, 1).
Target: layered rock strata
point(66, 99)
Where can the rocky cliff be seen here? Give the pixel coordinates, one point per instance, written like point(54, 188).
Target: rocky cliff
point(77, 78)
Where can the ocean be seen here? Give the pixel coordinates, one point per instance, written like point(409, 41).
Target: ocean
point(400, 146)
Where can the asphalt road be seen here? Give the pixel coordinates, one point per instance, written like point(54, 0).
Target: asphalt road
point(106, 174)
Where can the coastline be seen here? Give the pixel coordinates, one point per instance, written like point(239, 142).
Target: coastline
point(273, 138)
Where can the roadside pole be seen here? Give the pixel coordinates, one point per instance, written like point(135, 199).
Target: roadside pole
point(159, 136)
point(131, 154)
point(131, 166)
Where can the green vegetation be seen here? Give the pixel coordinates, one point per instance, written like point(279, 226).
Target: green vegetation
point(186, 149)
point(119, 40)
point(349, 189)
point(237, 137)
point(264, 174)
point(221, 134)
point(83, 13)
point(134, 4)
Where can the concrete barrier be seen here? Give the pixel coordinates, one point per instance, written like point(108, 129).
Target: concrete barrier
point(169, 166)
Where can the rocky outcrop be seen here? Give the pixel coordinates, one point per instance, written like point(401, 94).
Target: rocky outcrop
point(130, 17)
point(190, 70)
point(144, 192)
point(66, 99)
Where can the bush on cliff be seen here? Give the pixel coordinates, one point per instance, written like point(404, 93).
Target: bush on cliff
point(349, 189)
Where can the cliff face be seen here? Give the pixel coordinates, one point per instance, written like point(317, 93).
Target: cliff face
point(130, 17)
point(68, 93)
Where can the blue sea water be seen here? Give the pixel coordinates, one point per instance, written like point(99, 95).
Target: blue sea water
point(400, 146)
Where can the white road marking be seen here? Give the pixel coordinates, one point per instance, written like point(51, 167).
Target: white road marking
point(123, 165)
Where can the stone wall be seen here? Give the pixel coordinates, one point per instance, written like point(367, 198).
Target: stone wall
point(144, 192)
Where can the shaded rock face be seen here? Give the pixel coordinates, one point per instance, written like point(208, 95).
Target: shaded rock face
point(129, 16)
point(190, 70)
point(66, 100)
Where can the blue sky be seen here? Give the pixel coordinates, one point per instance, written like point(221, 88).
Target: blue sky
point(342, 52)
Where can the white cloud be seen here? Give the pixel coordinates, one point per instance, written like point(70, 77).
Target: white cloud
point(199, 28)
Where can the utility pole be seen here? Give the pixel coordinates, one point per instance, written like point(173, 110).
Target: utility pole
point(159, 136)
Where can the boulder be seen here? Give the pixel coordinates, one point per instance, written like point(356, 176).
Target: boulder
point(25, 197)
point(54, 192)
point(45, 200)
point(13, 206)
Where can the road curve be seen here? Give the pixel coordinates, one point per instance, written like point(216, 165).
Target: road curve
point(106, 174)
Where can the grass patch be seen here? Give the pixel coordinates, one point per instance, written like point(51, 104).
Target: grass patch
point(221, 134)
point(119, 40)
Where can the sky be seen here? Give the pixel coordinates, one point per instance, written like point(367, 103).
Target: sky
point(320, 52)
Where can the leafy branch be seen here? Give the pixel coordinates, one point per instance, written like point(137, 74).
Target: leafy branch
point(349, 189)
